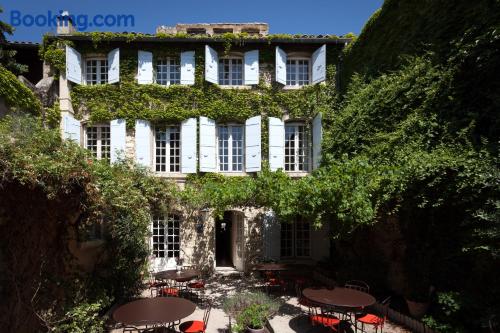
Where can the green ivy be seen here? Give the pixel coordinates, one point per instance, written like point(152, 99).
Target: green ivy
point(16, 95)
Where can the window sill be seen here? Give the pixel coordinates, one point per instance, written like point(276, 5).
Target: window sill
point(295, 87)
point(297, 174)
point(235, 87)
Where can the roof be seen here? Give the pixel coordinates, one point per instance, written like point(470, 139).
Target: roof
point(22, 44)
point(271, 38)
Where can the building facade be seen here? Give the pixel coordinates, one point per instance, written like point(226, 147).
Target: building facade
point(200, 144)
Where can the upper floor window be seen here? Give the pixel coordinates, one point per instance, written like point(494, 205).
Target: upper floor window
point(297, 72)
point(231, 71)
point(167, 149)
point(296, 148)
point(168, 71)
point(96, 71)
point(230, 147)
point(98, 141)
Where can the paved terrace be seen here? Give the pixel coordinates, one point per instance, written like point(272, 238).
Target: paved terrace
point(291, 317)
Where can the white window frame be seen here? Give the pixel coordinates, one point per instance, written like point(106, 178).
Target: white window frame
point(230, 147)
point(309, 72)
point(168, 165)
point(168, 72)
point(231, 71)
point(293, 242)
point(99, 145)
point(297, 147)
point(169, 234)
point(99, 60)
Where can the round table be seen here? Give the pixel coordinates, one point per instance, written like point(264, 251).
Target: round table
point(340, 297)
point(179, 276)
point(151, 311)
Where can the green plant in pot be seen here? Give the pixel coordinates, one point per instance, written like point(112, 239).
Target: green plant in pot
point(251, 310)
point(254, 318)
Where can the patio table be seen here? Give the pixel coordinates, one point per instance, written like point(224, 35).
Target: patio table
point(179, 276)
point(153, 311)
point(348, 299)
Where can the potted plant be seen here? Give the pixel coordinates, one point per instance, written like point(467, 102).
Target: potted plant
point(251, 311)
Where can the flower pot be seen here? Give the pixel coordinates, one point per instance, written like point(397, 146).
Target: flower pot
point(256, 330)
point(417, 309)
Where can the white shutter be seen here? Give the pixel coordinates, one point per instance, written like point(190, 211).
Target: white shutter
point(145, 67)
point(207, 145)
point(252, 144)
point(118, 129)
point(271, 236)
point(73, 65)
point(114, 66)
point(317, 136)
point(143, 143)
point(187, 67)
point(251, 73)
point(280, 65)
point(188, 146)
point(72, 129)
point(211, 65)
point(319, 65)
point(276, 144)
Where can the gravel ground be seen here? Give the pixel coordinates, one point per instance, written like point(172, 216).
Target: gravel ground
point(291, 318)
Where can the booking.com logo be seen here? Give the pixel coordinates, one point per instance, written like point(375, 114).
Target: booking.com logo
point(80, 21)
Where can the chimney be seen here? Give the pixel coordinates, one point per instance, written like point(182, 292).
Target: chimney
point(65, 24)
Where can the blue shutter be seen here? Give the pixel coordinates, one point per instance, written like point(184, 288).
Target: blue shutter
point(253, 144)
point(143, 143)
point(211, 65)
point(317, 135)
point(114, 66)
point(207, 145)
point(145, 67)
point(72, 129)
point(187, 67)
point(73, 65)
point(276, 144)
point(251, 73)
point(118, 135)
point(188, 146)
point(280, 65)
point(319, 65)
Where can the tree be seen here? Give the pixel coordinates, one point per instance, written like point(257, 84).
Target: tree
point(7, 57)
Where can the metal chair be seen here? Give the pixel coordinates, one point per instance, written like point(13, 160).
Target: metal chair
point(357, 285)
point(197, 326)
point(196, 288)
point(169, 289)
point(377, 320)
point(324, 318)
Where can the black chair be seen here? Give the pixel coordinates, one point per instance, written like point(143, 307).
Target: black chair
point(357, 285)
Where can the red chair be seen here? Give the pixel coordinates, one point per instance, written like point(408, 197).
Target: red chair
point(357, 285)
point(375, 320)
point(197, 326)
point(196, 287)
point(169, 290)
point(273, 282)
point(324, 319)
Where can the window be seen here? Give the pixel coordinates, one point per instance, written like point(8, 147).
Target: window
point(295, 239)
point(231, 72)
point(98, 142)
point(296, 148)
point(96, 71)
point(168, 71)
point(230, 147)
point(297, 72)
point(166, 238)
point(167, 149)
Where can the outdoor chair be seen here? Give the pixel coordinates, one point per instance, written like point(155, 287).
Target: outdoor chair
point(357, 285)
point(196, 288)
point(319, 317)
point(169, 289)
point(376, 320)
point(153, 285)
point(301, 300)
point(139, 328)
point(273, 282)
point(197, 326)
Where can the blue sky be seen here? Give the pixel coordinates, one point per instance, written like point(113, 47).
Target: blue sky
point(292, 16)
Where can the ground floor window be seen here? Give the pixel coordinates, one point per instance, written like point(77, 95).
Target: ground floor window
point(295, 239)
point(98, 141)
point(165, 236)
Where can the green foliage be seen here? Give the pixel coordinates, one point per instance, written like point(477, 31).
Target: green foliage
point(83, 318)
point(16, 95)
point(7, 57)
point(250, 309)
